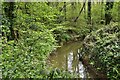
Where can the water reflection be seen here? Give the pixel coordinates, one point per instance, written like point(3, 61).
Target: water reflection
point(67, 58)
point(69, 61)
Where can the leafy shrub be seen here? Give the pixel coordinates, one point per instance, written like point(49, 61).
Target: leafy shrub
point(104, 46)
point(25, 58)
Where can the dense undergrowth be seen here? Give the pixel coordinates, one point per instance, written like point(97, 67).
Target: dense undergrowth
point(104, 47)
point(40, 27)
point(24, 57)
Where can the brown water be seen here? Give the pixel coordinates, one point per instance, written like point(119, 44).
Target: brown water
point(67, 58)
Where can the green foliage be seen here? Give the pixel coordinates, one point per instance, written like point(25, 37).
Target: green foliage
point(56, 73)
point(115, 11)
point(40, 26)
point(61, 35)
point(36, 12)
point(98, 12)
point(26, 57)
point(104, 46)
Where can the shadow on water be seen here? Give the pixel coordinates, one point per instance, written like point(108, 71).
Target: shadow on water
point(67, 58)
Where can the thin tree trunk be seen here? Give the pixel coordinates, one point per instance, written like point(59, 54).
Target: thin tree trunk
point(89, 11)
point(63, 7)
point(108, 16)
point(119, 13)
point(65, 10)
point(85, 12)
point(80, 11)
point(9, 13)
point(102, 9)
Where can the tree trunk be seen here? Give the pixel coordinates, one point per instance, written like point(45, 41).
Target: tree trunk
point(65, 10)
point(84, 12)
point(119, 13)
point(9, 13)
point(89, 11)
point(108, 16)
point(80, 11)
point(102, 10)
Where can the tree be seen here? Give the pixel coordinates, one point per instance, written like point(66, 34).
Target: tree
point(80, 11)
point(9, 13)
point(65, 10)
point(35, 32)
point(89, 11)
point(85, 12)
point(108, 7)
point(119, 13)
point(101, 9)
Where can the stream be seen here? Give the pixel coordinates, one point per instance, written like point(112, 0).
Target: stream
point(67, 58)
